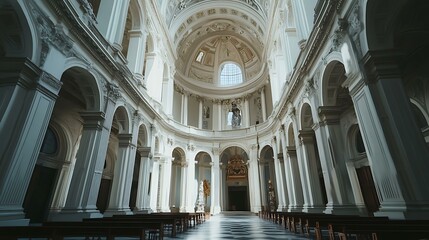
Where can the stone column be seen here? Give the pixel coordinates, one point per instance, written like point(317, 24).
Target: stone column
point(183, 185)
point(254, 179)
point(151, 60)
point(331, 152)
point(136, 53)
point(396, 149)
point(304, 17)
point(122, 178)
point(184, 109)
point(215, 184)
point(279, 179)
point(111, 18)
point(246, 115)
point(165, 184)
point(284, 184)
point(145, 179)
point(217, 118)
point(28, 97)
point(154, 193)
point(190, 177)
point(314, 201)
point(262, 187)
point(263, 105)
point(90, 158)
point(296, 196)
point(200, 113)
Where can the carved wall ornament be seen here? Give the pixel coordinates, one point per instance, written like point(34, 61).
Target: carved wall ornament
point(88, 11)
point(236, 168)
point(170, 141)
point(191, 147)
point(51, 35)
point(339, 33)
point(355, 27)
point(113, 91)
point(309, 87)
point(51, 81)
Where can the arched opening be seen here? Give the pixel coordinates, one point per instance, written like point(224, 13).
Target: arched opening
point(16, 39)
point(113, 179)
point(362, 171)
point(235, 184)
point(40, 191)
point(268, 179)
point(230, 74)
point(311, 169)
point(296, 198)
point(139, 195)
point(203, 176)
point(51, 178)
point(178, 175)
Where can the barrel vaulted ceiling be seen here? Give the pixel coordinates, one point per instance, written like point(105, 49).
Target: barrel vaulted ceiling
point(207, 33)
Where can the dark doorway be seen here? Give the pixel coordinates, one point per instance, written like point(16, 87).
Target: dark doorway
point(238, 198)
point(135, 183)
point(103, 194)
point(39, 194)
point(367, 187)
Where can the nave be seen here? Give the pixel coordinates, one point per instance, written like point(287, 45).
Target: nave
point(238, 225)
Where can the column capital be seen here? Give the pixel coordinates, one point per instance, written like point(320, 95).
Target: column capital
point(125, 139)
point(306, 136)
point(382, 64)
point(144, 151)
point(291, 151)
point(329, 114)
point(24, 72)
point(280, 157)
point(93, 120)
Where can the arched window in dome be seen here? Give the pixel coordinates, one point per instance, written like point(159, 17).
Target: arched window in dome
point(230, 74)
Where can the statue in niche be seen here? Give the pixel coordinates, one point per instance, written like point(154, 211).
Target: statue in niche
point(271, 196)
point(206, 112)
point(236, 116)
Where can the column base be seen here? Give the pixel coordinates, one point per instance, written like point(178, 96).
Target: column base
point(294, 208)
point(164, 210)
point(13, 219)
point(401, 211)
point(313, 209)
point(74, 215)
point(215, 210)
point(111, 212)
point(255, 209)
point(282, 209)
point(143, 211)
point(349, 209)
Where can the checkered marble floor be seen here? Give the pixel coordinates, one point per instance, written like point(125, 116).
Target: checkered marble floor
point(237, 225)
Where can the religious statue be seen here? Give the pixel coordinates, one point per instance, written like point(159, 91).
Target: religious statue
point(236, 116)
point(206, 186)
point(200, 200)
point(271, 196)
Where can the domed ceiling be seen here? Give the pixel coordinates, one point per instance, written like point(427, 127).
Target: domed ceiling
point(207, 33)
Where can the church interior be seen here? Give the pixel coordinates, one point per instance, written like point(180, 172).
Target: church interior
point(133, 107)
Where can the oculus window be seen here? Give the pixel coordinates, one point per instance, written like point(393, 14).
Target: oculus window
point(230, 75)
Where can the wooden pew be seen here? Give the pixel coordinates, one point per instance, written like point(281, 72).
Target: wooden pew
point(166, 219)
point(328, 221)
point(391, 229)
point(59, 230)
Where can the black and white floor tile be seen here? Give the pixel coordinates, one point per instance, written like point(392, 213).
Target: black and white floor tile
point(237, 225)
